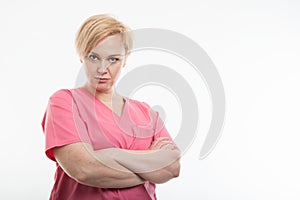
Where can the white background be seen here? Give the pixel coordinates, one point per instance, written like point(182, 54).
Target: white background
point(255, 46)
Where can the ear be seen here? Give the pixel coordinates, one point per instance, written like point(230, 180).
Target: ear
point(124, 62)
point(81, 58)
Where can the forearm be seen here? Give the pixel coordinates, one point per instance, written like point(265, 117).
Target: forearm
point(156, 166)
point(113, 175)
point(160, 167)
point(162, 175)
point(79, 162)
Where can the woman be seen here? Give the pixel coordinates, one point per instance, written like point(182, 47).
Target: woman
point(106, 146)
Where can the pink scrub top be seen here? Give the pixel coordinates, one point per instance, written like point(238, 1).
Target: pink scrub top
point(77, 116)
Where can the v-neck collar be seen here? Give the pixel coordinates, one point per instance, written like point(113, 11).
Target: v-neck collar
point(124, 108)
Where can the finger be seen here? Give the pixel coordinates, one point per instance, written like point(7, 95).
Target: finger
point(169, 146)
point(158, 144)
point(160, 139)
point(161, 144)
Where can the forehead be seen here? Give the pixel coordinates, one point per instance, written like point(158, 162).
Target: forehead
point(110, 45)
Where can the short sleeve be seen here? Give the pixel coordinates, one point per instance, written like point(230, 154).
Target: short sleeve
point(61, 123)
point(160, 128)
point(158, 125)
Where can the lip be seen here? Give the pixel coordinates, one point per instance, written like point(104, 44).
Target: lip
point(102, 80)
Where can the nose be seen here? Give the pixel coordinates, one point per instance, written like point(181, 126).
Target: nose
point(102, 67)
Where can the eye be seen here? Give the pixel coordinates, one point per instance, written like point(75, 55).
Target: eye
point(93, 57)
point(113, 59)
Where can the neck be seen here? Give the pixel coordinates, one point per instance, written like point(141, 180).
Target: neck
point(106, 97)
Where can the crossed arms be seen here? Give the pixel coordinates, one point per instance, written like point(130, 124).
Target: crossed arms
point(117, 168)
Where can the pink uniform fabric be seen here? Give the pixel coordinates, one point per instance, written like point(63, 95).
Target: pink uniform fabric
point(77, 116)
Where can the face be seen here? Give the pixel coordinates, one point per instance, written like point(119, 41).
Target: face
point(104, 63)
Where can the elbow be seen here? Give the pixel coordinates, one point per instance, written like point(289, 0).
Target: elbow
point(168, 173)
point(88, 178)
point(175, 166)
point(175, 169)
point(80, 177)
point(176, 173)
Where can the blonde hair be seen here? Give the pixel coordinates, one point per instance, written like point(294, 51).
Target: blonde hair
point(96, 28)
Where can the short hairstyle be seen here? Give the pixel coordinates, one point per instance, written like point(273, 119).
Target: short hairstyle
point(96, 28)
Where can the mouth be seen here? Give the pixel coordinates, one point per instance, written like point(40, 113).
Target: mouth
point(102, 80)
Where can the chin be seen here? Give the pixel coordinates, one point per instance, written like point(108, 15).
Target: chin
point(103, 88)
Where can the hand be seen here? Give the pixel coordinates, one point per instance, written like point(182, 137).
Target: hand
point(162, 143)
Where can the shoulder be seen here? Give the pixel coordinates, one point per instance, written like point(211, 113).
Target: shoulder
point(141, 108)
point(142, 113)
point(138, 104)
point(62, 95)
point(67, 93)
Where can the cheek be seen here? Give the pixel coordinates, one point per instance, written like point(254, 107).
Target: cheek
point(89, 71)
point(115, 70)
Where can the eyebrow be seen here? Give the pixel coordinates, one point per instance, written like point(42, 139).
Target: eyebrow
point(107, 56)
